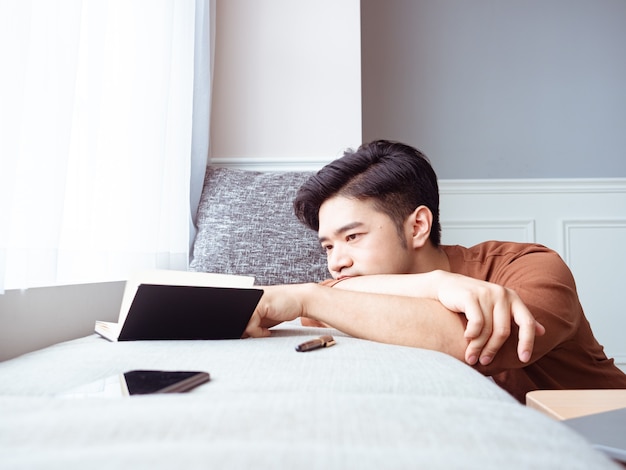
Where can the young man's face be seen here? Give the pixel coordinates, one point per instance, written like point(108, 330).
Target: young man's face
point(360, 240)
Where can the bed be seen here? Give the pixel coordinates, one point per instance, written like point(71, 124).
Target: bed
point(358, 404)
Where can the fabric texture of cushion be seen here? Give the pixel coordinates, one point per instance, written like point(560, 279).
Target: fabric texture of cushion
point(246, 226)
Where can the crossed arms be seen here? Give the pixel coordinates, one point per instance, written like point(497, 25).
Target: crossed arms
point(419, 310)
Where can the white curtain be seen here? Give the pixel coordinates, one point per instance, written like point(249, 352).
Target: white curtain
point(97, 137)
point(203, 81)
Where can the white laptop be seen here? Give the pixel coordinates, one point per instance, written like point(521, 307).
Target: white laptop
point(34, 318)
point(606, 431)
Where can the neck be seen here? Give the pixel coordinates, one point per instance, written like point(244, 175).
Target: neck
point(430, 258)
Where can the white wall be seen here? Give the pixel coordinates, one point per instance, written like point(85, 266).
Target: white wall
point(499, 89)
point(287, 81)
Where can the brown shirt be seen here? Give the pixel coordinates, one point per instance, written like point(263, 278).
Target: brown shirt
point(567, 356)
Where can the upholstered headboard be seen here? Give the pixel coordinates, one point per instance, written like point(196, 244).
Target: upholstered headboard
point(246, 225)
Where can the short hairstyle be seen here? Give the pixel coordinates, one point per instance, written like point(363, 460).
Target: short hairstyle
point(396, 177)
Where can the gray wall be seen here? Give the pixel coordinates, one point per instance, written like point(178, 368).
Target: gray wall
point(499, 89)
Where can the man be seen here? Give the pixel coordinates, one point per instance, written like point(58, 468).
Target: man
point(376, 211)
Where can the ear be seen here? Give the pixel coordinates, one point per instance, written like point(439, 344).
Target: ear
point(419, 224)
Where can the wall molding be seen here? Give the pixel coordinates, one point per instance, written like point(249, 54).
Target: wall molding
point(311, 163)
point(594, 249)
point(570, 226)
point(460, 231)
point(533, 186)
point(447, 186)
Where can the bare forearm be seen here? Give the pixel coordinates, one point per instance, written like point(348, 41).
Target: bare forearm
point(388, 318)
point(409, 309)
point(414, 285)
point(489, 308)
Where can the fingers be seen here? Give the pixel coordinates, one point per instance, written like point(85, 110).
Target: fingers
point(529, 328)
point(472, 352)
point(475, 321)
point(498, 337)
point(256, 333)
point(255, 329)
point(486, 345)
point(540, 330)
point(490, 310)
point(526, 340)
point(500, 332)
point(476, 331)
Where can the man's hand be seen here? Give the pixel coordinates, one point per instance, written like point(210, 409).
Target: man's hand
point(489, 309)
point(278, 304)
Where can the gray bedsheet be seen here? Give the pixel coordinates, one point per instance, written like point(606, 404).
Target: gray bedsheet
point(358, 404)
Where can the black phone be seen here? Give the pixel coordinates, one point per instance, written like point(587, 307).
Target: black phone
point(140, 382)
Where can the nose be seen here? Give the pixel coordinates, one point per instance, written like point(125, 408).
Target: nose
point(338, 260)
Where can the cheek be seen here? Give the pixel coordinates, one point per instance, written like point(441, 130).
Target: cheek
point(379, 262)
point(394, 260)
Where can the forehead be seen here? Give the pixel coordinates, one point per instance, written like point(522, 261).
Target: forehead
point(339, 212)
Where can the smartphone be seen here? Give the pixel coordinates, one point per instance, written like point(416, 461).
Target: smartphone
point(140, 382)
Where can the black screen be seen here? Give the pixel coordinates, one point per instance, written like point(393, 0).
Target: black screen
point(141, 382)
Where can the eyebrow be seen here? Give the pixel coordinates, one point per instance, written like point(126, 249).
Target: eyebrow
point(345, 228)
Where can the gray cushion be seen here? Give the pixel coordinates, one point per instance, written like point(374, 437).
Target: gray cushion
point(246, 226)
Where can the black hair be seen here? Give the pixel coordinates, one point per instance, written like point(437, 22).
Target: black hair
point(396, 177)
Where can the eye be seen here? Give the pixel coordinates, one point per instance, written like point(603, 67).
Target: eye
point(327, 248)
point(352, 236)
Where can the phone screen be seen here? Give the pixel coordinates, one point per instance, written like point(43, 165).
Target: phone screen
point(140, 382)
